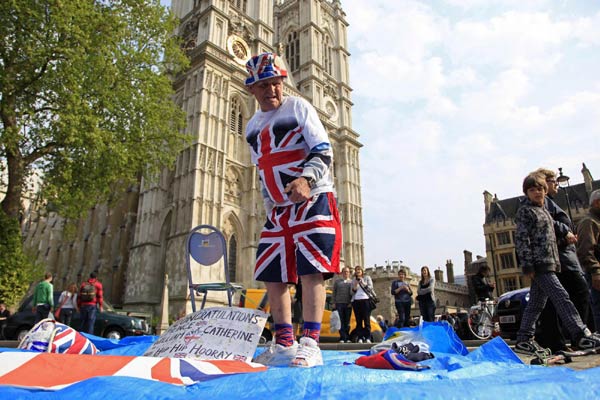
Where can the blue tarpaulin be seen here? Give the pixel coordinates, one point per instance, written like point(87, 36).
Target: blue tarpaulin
point(492, 371)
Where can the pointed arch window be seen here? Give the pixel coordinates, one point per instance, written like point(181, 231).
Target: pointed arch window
point(327, 55)
point(236, 120)
point(232, 255)
point(292, 50)
point(240, 5)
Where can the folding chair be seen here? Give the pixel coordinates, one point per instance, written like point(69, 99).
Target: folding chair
point(206, 245)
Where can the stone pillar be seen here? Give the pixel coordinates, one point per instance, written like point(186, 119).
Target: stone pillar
point(163, 324)
point(439, 275)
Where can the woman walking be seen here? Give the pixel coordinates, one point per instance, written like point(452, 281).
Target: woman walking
point(67, 304)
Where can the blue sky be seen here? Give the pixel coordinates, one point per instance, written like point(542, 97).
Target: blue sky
point(455, 97)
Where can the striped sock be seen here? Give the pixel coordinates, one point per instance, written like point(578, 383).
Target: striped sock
point(312, 330)
point(284, 334)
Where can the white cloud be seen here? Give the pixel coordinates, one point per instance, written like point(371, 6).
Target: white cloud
point(462, 97)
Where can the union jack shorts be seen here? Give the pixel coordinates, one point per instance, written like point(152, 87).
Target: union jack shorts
point(300, 239)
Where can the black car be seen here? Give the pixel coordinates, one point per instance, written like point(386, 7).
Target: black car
point(109, 324)
point(510, 311)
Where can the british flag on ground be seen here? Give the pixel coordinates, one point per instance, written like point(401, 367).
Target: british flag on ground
point(59, 370)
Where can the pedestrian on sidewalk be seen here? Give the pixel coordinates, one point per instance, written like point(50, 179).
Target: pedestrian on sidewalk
point(537, 252)
point(588, 251)
point(402, 298)
point(426, 295)
point(341, 298)
point(571, 276)
point(43, 298)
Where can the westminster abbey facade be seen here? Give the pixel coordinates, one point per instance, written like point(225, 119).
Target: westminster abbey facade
point(134, 244)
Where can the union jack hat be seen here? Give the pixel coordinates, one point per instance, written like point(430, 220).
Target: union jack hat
point(264, 66)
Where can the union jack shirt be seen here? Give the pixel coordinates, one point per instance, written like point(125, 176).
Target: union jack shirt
point(303, 238)
point(286, 143)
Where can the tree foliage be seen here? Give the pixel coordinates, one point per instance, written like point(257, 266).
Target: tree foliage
point(85, 97)
point(16, 270)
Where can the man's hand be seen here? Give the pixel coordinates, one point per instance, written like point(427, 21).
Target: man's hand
point(596, 281)
point(571, 238)
point(298, 190)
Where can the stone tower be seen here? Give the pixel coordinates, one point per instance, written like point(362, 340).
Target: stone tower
point(213, 181)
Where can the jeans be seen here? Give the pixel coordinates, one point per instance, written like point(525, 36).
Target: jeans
point(403, 310)
point(66, 314)
point(41, 312)
point(345, 312)
point(88, 318)
point(362, 313)
point(427, 309)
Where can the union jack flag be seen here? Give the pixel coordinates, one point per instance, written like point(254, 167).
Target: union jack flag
point(56, 371)
point(53, 337)
point(281, 151)
point(68, 341)
point(300, 239)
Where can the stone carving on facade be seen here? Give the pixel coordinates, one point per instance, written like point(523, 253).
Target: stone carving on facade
point(208, 78)
point(190, 28)
point(328, 24)
point(330, 90)
point(210, 162)
point(233, 192)
point(228, 228)
point(239, 27)
point(216, 84)
point(290, 20)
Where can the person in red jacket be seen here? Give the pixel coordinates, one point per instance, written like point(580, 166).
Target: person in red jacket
point(89, 301)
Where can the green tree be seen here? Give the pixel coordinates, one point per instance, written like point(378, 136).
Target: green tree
point(85, 104)
point(16, 271)
point(85, 98)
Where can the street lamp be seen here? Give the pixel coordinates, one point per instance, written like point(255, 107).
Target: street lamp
point(563, 183)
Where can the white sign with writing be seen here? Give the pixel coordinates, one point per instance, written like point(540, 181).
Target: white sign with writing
point(216, 333)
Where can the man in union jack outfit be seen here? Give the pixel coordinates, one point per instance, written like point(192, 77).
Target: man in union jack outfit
point(301, 238)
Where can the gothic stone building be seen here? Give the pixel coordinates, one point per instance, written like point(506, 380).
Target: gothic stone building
point(499, 230)
point(134, 244)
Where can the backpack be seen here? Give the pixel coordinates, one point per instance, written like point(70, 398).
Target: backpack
point(87, 293)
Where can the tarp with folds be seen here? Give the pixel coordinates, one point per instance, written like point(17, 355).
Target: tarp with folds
point(491, 371)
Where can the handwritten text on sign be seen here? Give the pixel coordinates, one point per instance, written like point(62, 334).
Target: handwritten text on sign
point(216, 333)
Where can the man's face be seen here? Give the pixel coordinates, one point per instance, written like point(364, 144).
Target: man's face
point(552, 186)
point(268, 93)
point(345, 272)
point(536, 195)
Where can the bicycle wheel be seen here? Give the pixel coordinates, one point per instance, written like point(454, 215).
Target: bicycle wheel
point(481, 325)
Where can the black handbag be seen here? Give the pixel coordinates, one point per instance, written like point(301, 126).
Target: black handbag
point(373, 300)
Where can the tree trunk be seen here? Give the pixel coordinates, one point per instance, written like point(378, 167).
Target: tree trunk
point(14, 161)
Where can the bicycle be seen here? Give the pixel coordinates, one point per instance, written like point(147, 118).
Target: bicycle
point(481, 319)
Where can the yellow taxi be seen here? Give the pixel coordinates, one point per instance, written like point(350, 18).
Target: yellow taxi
point(257, 298)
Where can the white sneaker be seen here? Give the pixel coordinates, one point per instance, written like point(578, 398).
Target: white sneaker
point(308, 355)
point(277, 355)
point(368, 340)
point(341, 341)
